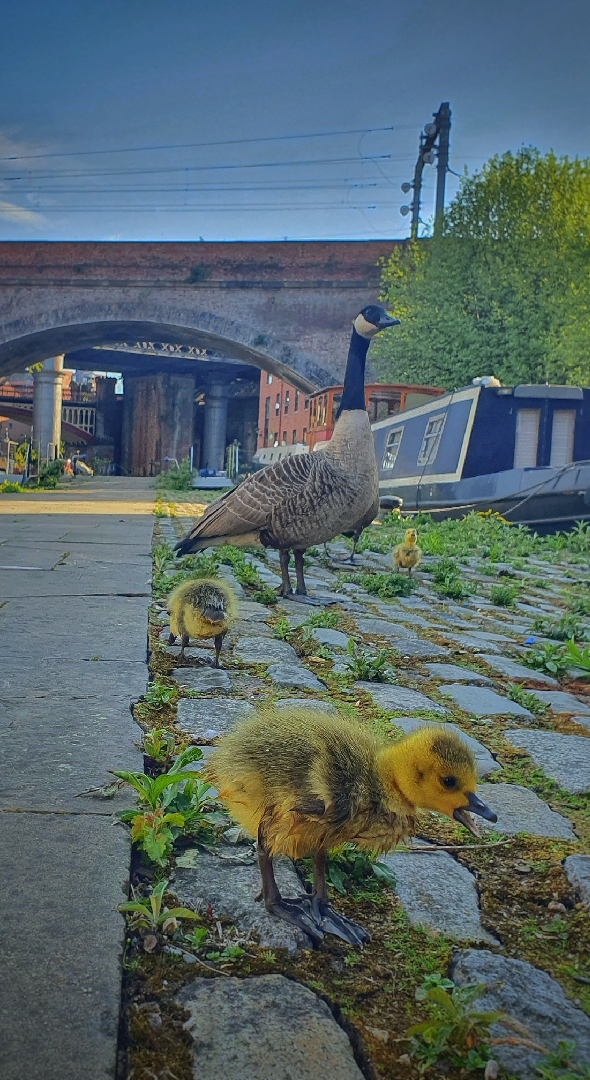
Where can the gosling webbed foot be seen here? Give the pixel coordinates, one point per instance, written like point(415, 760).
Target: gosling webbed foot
point(298, 911)
point(332, 923)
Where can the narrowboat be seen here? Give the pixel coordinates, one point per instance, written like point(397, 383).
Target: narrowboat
point(522, 451)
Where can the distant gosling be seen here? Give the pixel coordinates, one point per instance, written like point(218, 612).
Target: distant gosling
point(201, 608)
point(408, 554)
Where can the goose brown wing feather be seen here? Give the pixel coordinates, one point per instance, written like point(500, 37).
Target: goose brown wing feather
point(250, 506)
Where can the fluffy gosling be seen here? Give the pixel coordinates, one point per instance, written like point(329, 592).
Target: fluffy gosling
point(201, 608)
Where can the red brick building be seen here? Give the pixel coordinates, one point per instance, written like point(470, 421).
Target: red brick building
point(283, 413)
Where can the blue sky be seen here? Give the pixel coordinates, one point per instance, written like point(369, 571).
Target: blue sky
point(122, 74)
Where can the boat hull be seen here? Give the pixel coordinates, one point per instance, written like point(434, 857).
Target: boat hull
point(542, 498)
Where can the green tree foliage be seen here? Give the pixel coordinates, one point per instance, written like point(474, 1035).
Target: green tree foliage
point(503, 287)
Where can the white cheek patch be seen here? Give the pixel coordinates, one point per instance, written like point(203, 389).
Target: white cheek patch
point(364, 328)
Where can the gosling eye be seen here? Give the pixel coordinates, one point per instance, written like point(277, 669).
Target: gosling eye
point(450, 781)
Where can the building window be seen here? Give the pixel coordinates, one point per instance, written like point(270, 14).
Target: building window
point(294, 439)
point(296, 406)
point(527, 438)
point(286, 409)
point(267, 408)
point(278, 405)
point(284, 438)
point(562, 437)
point(305, 436)
point(431, 440)
point(306, 404)
point(392, 448)
point(268, 378)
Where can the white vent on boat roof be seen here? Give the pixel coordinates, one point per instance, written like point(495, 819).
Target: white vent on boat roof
point(486, 380)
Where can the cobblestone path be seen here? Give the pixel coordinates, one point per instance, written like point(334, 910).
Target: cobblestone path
point(512, 916)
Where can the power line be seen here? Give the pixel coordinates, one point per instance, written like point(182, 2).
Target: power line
point(204, 168)
point(186, 146)
point(186, 209)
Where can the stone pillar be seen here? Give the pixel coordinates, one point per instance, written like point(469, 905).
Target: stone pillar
point(215, 431)
point(157, 421)
point(47, 408)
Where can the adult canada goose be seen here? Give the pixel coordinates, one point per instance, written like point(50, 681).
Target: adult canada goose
point(307, 499)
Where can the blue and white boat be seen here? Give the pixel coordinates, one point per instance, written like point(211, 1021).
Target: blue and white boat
point(523, 451)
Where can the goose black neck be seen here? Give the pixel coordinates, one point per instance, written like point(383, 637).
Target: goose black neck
point(353, 393)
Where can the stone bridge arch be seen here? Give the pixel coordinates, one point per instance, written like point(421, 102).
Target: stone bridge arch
point(92, 321)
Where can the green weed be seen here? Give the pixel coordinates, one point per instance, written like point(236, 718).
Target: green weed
point(504, 595)
point(162, 556)
point(547, 657)
point(10, 487)
point(158, 744)
point(384, 585)
point(362, 665)
point(568, 626)
point(151, 914)
point(324, 618)
point(516, 692)
point(580, 658)
point(456, 1031)
point(558, 1065)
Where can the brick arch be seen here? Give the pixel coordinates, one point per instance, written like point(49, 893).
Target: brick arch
point(91, 322)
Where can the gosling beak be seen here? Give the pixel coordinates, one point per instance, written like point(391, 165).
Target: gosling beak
point(386, 320)
point(477, 807)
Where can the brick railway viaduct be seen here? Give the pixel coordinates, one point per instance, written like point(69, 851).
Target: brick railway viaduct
point(281, 306)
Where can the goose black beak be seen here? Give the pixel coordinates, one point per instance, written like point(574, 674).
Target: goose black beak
point(476, 806)
point(386, 320)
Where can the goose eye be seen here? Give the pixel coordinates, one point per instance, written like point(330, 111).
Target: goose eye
point(449, 781)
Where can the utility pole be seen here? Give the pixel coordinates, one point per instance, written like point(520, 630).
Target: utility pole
point(438, 130)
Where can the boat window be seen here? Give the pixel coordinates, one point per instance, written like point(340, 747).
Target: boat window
point(392, 448)
point(562, 437)
point(431, 440)
point(527, 438)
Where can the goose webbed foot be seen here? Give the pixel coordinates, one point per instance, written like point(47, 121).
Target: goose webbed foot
point(332, 923)
point(298, 911)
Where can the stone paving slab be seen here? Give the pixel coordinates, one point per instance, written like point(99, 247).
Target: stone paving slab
point(520, 810)
point(561, 702)
point(286, 704)
point(107, 627)
point(297, 1040)
point(294, 676)
point(61, 944)
point(62, 725)
point(474, 641)
point(207, 718)
point(505, 666)
point(250, 609)
point(205, 679)
point(483, 702)
point(326, 636)
point(532, 997)
point(564, 758)
point(452, 672)
point(439, 893)
point(383, 628)
point(577, 871)
point(251, 650)
point(231, 884)
point(484, 760)
point(419, 647)
point(245, 628)
point(392, 698)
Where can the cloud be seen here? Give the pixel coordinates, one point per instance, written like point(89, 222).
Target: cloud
point(12, 212)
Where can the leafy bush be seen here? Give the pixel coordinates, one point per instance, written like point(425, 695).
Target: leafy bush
point(504, 595)
point(448, 581)
point(562, 629)
point(10, 487)
point(324, 618)
point(150, 913)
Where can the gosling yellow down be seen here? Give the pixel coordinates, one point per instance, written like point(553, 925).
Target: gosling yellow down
point(201, 608)
point(407, 555)
point(302, 782)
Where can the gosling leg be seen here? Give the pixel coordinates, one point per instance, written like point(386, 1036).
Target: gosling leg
point(218, 641)
point(297, 911)
point(329, 920)
point(184, 642)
